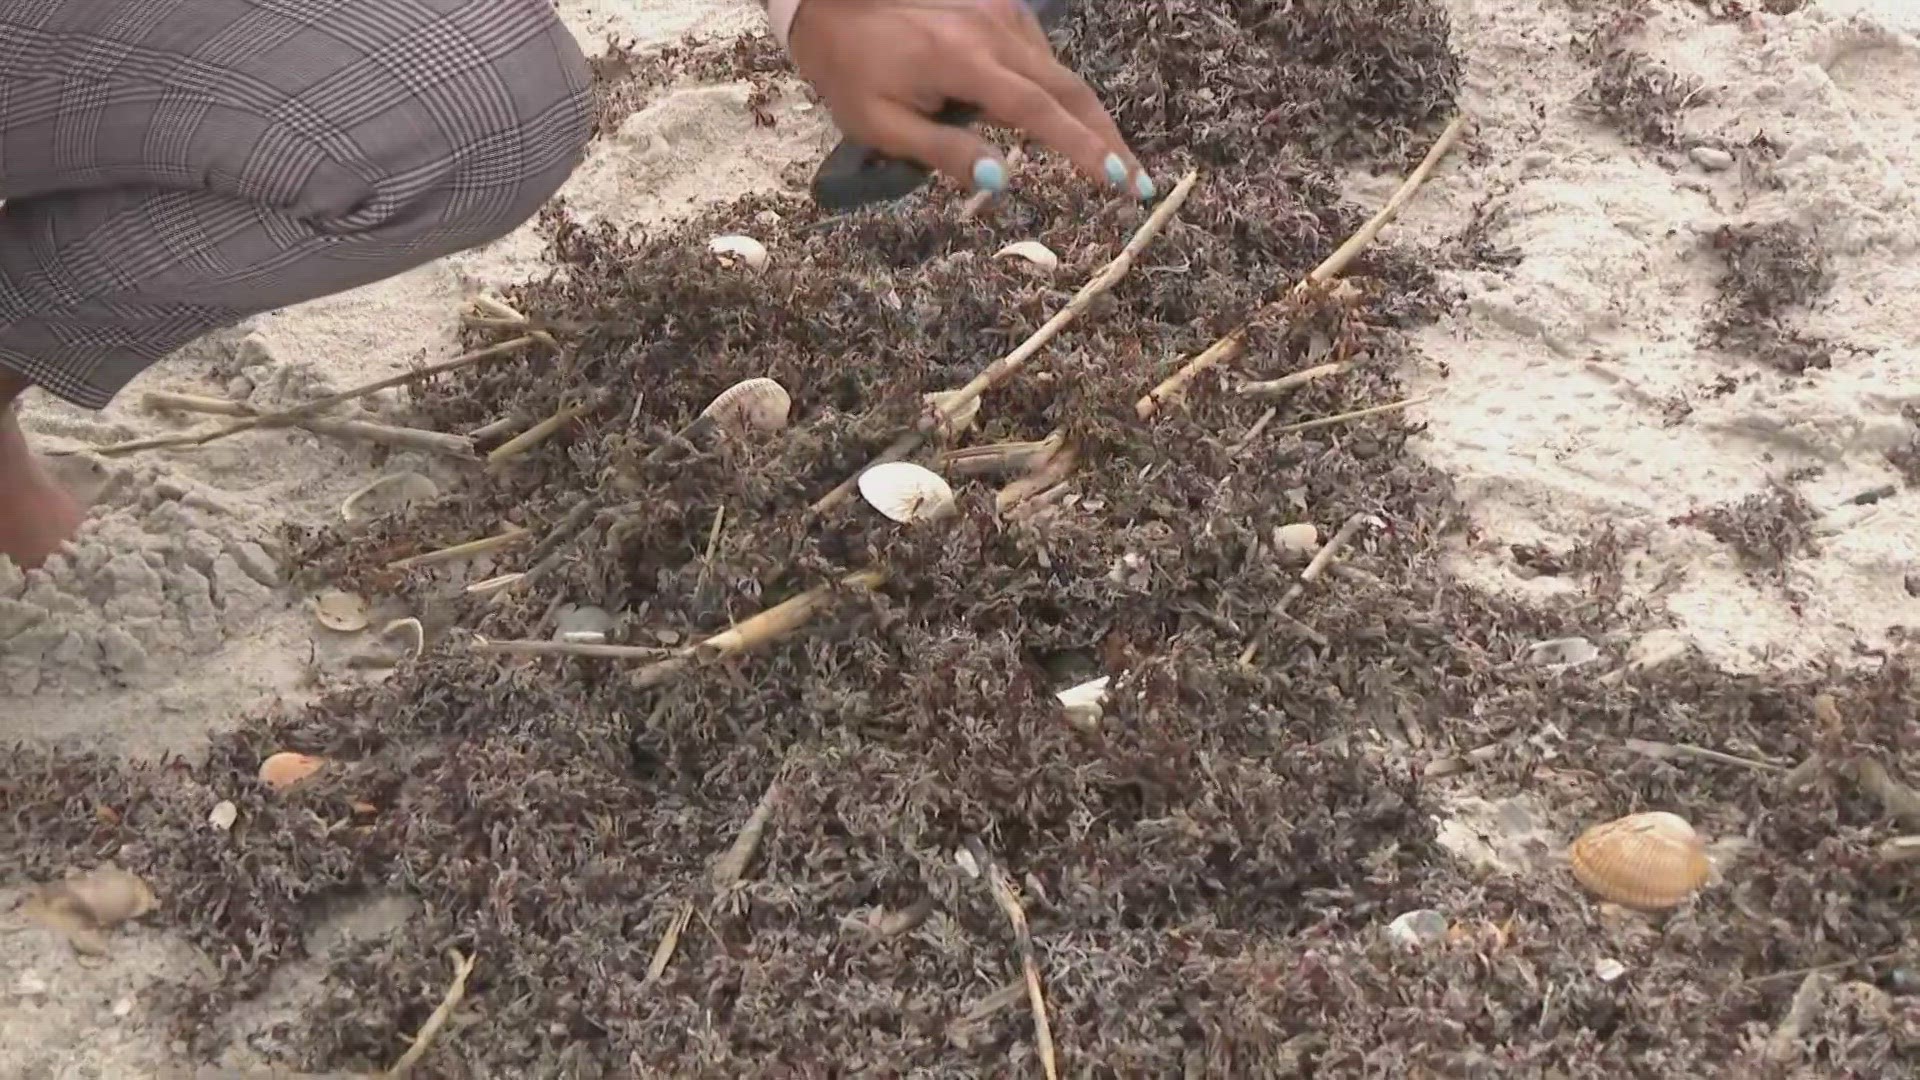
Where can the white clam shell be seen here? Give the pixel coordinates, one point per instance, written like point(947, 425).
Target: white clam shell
point(1032, 251)
point(906, 492)
point(737, 248)
point(751, 405)
point(341, 611)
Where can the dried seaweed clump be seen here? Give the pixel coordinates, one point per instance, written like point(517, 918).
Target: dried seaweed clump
point(1773, 270)
point(1638, 95)
point(626, 77)
point(1240, 85)
point(1765, 530)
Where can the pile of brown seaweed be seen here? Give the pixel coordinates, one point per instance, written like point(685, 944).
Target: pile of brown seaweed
point(772, 863)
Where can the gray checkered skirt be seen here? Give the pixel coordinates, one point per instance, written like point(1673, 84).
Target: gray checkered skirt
point(169, 167)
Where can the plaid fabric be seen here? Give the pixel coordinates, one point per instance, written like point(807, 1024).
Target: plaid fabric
point(169, 167)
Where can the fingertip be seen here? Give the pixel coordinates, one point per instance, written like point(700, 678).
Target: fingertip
point(1143, 184)
point(989, 175)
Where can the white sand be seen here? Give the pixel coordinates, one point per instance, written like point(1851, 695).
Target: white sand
point(165, 623)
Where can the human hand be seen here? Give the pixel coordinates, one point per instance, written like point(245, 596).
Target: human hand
point(884, 67)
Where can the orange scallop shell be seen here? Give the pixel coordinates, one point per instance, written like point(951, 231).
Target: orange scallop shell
point(287, 768)
point(1648, 861)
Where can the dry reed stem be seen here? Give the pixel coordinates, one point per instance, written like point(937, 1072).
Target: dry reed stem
point(542, 647)
point(289, 417)
point(1900, 849)
point(1007, 366)
point(534, 436)
point(469, 549)
point(438, 442)
point(999, 458)
point(1661, 751)
point(494, 430)
point(732, 866)
point(1335, 264)
point(663, 952)
point(1288, 383)
point(768, 626)
point(499, 310)
point(1321, 560)
point(1357, 414)
point(456, 992)
point(1009, 903)
point(1046, 474)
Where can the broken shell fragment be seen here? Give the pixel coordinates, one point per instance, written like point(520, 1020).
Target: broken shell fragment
point(739, 249)
point(1647, 861)
point(414, 629)
point(906, 492)
point(752, 405)
point(223, 815)
point(1297, 539)
point(97, 899)
point(341, 611)
point(1032, 251)
point(287, 768)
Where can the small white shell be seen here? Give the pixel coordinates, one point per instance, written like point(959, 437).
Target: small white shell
point(1297, 539)
point(1087, 694)
point(223, 815)
point(1034, 252)
point(751, 405)
point(395, 491)
point(906, 492)
point(737, 248)
point(341, 611)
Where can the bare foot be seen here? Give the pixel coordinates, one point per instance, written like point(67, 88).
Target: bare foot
point(37, 515)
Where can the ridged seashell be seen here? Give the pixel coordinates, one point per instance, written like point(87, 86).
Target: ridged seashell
point(737, 248)
point(751, 405)
point(1034, 252)
point(1648, 861)
point(287, 768)
point(341, 611)
point(906, 492)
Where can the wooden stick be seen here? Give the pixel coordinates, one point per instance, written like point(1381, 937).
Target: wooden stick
point(457, 992)
point(1321, 560)
point(438, 442)
point(1007, 366)
point(1009, 903)
point(512, 535)
point(287, 417)
point(1287, 383)
point(538, 647)
point(1230, 346)
point(1357, 414)
point(732, 866)
point(534, 436)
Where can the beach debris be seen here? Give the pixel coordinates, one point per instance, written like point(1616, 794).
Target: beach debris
point(223, 815)
point(1000, 459)
point(83, 905)
point(735, 249)
point(1085, 703)
point(906, 493)
point(1298, 540)
point(939, 401)
point(1418, 928)
point(415, 629)
point(1607, 969)
point(1646, 861)
point(287, 768)
point(1034, 252)
point(1711, 158)
point(582, 624)
point(1562, 653)
point(395, 491)
point(489, 586)
point(341, 611)
point(752, 405)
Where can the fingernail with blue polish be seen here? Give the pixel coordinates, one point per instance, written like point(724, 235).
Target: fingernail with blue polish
point(1116, 170)
point(989, 175)
point(1145, 186)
